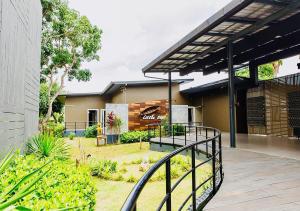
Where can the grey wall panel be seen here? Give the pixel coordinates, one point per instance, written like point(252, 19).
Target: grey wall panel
point(20, 29)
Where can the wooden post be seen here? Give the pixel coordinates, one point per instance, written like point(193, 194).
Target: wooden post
point(140, 143)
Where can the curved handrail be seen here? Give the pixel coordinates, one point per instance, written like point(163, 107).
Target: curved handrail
point(130, 203)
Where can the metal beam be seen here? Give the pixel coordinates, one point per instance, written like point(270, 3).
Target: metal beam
point(170, 102)
point(253, 69)
point(279, 44)
point(284, 11)
point(231, 94)
point(250, 42)
point(204, 44)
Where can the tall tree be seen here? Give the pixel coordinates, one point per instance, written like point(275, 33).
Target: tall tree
point(68, 40)
point(57, 105)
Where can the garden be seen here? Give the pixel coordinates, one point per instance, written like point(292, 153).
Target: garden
point(72, 173)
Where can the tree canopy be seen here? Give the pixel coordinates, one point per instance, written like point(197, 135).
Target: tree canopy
point(68, 40)
point(265, 72)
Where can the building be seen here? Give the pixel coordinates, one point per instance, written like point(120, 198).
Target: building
point(20, 38)
point(129, 100)
point(270, 108)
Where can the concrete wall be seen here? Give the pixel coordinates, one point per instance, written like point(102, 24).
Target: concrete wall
point(20, 29)
point(148, 93)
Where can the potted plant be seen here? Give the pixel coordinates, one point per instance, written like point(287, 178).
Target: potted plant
point(114, 125)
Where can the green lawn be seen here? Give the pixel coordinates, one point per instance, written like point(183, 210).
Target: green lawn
point(112, 194)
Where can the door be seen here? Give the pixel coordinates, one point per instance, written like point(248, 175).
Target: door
point(92, 117)
point(241, 112)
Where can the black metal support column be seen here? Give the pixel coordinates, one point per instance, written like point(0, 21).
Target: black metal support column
point(231, 93)
point(170, 102)
point(253, 69)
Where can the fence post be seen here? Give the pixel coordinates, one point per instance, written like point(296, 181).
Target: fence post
point(185, 135)
point(220, 156)
point(64, 129)
point(214, 163)
point(160, 135)
point(148, 134)
point(173, 136)
point(206, 136)
point(75, 128)
point(194, 200)
point(168, 186)
point(197, 138)
point(134, 207)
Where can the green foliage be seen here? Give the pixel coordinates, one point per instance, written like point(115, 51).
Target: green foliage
point(265, 72)
point(68, 41)
point(44, 100)
point(65, 186)
point(104, 168)
point(13, 193)
point(132, 179)
point(178, 130)
point(91, 132)
point(72, 136)
point(54, 129)
point(134, 136)
point(44, 145)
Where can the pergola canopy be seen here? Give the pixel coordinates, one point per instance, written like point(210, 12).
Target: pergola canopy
point(260, 31)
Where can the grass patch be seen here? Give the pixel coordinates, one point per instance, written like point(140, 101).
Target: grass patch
point(133, 161)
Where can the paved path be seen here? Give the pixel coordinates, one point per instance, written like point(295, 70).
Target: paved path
point(257, 181)
point(262, 173)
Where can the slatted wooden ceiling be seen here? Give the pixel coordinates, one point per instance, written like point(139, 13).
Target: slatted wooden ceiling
point(260, 31)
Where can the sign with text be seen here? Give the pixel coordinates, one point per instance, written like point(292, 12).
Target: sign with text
point(142, 114)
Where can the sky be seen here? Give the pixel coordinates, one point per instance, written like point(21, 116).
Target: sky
point(137, 31)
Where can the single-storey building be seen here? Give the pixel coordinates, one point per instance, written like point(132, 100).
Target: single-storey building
point(138, 103)
point(270, 108)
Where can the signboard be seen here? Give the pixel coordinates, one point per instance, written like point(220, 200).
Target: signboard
point(151, 113)
point(142, 114)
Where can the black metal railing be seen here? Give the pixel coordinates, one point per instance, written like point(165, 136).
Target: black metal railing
point(78, 126)
point(204, 141)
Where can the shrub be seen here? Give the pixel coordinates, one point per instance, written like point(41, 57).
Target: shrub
point(58, 130)
point(178, 130)
point(134, 136)
point(71, 136)
point(103, 169)
point(55, 129)
point(132, 179)
point(91, 132)
point(24, 186)
point(65, 186)
point(44, 145)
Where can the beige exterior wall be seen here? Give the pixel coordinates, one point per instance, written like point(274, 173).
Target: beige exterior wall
point(212, 110)
point(216, 111)
point(148, 93)
point(76, 109)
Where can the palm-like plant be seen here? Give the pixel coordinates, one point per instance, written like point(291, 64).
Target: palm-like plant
point(44, 145)
point(22, 188)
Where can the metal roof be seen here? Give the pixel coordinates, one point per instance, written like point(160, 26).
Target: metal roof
point(293, 80)
point(260, 31)
point(117, 85)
